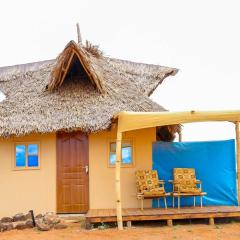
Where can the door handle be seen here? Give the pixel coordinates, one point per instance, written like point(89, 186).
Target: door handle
point(86, 169)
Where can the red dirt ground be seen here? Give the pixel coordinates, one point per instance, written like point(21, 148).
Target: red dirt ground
point(156, 231)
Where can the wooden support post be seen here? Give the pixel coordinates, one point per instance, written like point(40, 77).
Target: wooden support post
point(211, 221)
point(238, 157)
point(79, 37)
point(129, 224)
point(169, 222)
point(88, 225)
point(180, 136)
point(142, 204)
point(165, 202)
point(118, 182)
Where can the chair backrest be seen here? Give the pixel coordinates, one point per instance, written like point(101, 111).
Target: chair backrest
point(146, 180)
point(184, 179)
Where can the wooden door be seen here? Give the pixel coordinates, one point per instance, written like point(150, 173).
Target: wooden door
point(72, 173)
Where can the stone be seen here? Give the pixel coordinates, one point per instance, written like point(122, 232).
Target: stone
point(29, 223)
point(28, 216)
point(19, 217)
point(6, 219)
point(21, 226)
point(88, 226)
point(3, 227)
point(43, 227)
point(60, 226)
point(9, 226)
point(51, 219)
point(39, 216)
point(39, 220)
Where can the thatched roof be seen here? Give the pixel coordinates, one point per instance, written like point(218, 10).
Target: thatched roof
point(47, 97)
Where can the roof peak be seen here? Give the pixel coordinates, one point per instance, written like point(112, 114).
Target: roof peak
point(64, 61)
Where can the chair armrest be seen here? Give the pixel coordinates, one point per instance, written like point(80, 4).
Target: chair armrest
point(173, 181)
point(199, 183)
point(161, 183)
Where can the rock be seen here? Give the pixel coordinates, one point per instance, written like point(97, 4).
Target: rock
point(9, 226)
point(89, 226)
point(6, 219)
point(21, 226)
point(60, 226)
point(28, 216)
point(16, 223)
point(3, 227)
point(102, 227)
point(19, 217)
point(39, 216)
point(39, 220)
point(51, 219)
point(29, 223)
point(43, 227)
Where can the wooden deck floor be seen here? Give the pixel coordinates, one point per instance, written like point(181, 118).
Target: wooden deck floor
point(136, 214)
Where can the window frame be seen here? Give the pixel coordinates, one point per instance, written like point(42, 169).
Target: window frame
point(125, 140)
point(26, 144)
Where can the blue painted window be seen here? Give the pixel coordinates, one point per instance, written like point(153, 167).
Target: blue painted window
point(127, 155)
point(127, 158)
point(20, 156)
point(33, 155)
point(27, 155)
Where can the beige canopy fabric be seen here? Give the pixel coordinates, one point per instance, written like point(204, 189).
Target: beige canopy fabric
point(128, 121)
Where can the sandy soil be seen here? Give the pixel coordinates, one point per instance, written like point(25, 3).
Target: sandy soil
point(156, 231)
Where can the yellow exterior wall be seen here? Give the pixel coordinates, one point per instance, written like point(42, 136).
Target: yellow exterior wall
point(102, 177)
point(23, 190)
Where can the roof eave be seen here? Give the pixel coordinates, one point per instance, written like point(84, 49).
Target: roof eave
point(173, 72)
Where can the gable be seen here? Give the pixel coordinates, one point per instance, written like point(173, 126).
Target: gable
point(76, 72)
point(72, 61)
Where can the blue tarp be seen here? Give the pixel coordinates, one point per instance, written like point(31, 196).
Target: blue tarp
point(215, 165)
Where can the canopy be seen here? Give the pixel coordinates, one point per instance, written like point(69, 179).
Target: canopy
point(128, 121)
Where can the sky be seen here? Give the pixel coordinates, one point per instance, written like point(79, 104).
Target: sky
point(200, 38)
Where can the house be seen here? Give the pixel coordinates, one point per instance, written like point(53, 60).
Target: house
point(58, 132)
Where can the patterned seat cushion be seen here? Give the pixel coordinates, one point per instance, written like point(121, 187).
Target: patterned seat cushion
point(147, 182)
point(154, 192)
point(185, 180)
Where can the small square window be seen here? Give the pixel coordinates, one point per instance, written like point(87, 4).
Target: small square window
point(127, 154)
point(26, 155)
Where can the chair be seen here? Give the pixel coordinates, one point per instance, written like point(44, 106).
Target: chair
point(186, 184)
point(149, 187)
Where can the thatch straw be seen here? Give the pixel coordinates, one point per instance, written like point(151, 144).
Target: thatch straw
point(63, 63)
point(93, 49)
point(117, 85)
